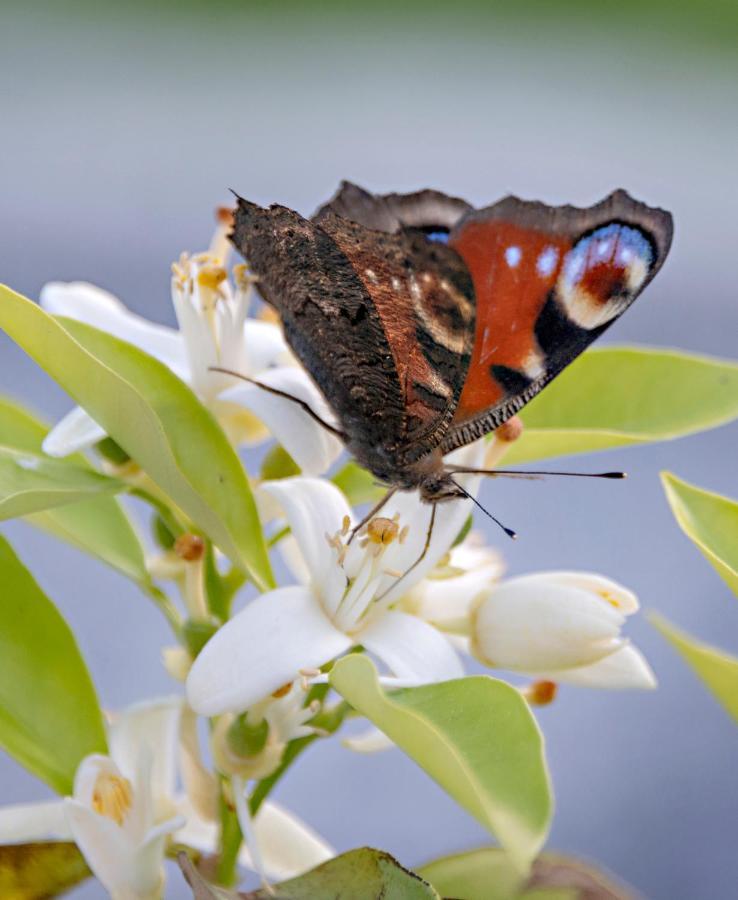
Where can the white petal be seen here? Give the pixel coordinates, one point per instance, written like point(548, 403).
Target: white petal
point(197, 832)
point(312, 447)
point(624, 670)
point(261, 649)
point(372, 740)
point(104, 845)
point(288, 846)
point(526, 623)
point(265, 345)
point(87, 303)
point(153, 724)
point(610, 591)
point(449, 520)
point(411, 648)
point(202, 786)
point(30, 822)
point(76, 431)
point(314, 509)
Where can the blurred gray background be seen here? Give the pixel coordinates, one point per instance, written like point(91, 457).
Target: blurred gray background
point(122, 128)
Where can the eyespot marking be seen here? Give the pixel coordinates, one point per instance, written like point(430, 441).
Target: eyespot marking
point(513, 255)
point(546, 262)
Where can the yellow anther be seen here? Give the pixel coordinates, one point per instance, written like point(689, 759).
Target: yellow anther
point(403, 534)
point(609, 598)
point(211, 277)
point(382, 531)
point(283, 691)
point(345, 525)
point(112, 796)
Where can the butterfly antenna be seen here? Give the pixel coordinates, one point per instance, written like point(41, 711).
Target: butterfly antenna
point(508, 531)
point(535, 474)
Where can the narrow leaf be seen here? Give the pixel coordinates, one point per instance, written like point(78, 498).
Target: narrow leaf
point(31, 871)
point(98, 526)
point(31, 483)
point(619, 396)
point(717, 669)
point(476, 737)
point(155, 418)
point(49, 713)
point(710, 521)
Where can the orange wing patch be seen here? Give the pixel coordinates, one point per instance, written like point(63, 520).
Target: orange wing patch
point(513, 269)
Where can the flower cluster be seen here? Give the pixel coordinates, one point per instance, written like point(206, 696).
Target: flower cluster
point(426, 614)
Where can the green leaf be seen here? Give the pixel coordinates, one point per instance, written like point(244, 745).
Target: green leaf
point(476, 737)
point(31, 871)
point(155, 418)
point(49, 714)
point(357, 484)
point(710, 521)
point(616, 397)
point(361, 874)
point(98, 526)
point(717, 669)
point(30, 482)
point(487, 874)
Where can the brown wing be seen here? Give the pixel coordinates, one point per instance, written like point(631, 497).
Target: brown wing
point(548, 281)
point(383, 322)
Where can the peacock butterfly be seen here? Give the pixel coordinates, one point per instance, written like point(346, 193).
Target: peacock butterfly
point(427, 323)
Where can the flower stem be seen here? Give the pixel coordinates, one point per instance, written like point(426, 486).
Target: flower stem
point(230, 844)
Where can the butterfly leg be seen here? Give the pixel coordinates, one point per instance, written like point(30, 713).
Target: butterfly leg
point(422, 556)
point(370, 515)
point(301, 403)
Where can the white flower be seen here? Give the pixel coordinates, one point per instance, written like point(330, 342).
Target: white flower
point(126, 807)
point(560, 626)
point(214, 331)
point(346, 599)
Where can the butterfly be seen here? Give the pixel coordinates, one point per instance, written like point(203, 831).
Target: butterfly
point(427, 323)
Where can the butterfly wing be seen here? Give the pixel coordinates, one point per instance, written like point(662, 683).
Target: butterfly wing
point(383, 322)
point(548, 281)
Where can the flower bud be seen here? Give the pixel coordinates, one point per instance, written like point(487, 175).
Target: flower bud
point(550, 622)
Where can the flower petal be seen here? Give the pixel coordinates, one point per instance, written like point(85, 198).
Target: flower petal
point(449, 520)
point(626, 669)
point(104, 845)
point(152, 724)
point(411, 648)
point(265, 345)
point(315, 509)
point(88, 303)
point(371, 740)
point(288, 846)
point(610, 591)
point(261, 649)
point(533, 623)
point(31, 822)
point(76, 431)
point(312, 447)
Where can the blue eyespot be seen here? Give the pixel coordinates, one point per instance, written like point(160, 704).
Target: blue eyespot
point(439, 237)
point(616, 244)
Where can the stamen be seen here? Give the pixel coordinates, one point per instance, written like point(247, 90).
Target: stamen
point(309, 672)
point(189, 547)
point(345, 526)
point(112, 796)
point(283, 691)
point(211, 277)
point(382, 531)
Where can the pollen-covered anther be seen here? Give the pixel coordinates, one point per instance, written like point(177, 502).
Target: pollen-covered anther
point(112, 796)
point(224, 215)
point(345, 525)
point(211, 277)
point(511, 430)
point(382, 531)
point(189, 547)
point(243, 277)
point(282, 691)
point(541, 693)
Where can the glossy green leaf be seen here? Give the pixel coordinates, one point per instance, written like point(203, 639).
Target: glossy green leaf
point(487, 874)
point(155, 418)
point(616, 397)
point(363, 874)
point(717, 669)
point(33, 871)
point(476, 737)
point(358, 485)
point(98, 526)
point(49, 714)
point(30, 482)
point(710, 521)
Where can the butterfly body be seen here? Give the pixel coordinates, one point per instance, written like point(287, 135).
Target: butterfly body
point(427, 323)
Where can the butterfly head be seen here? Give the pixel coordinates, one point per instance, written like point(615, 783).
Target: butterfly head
point(438, 487)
